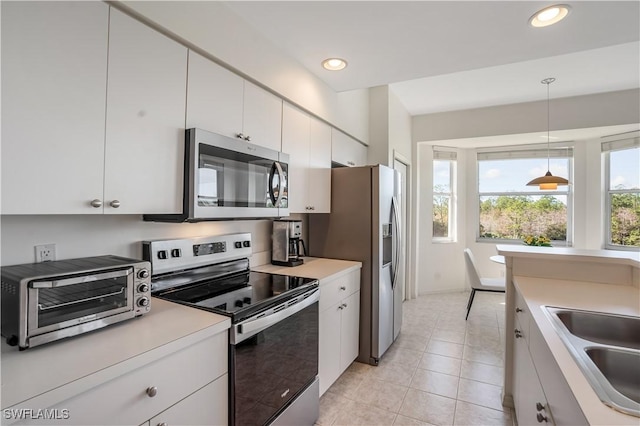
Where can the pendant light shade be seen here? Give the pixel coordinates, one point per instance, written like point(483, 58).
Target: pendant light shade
point(548, 181)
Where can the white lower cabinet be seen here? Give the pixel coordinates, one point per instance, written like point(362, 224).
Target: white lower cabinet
point(187, 387)
point(207, 406)
point(541, 395)
point(339, 326)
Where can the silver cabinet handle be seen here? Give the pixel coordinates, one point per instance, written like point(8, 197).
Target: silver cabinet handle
point(344, 305)
point(351, 163)
point(152, 391)
point(239, 136)
point(539, 406)
point(163, 424)
point(341, 307)
point(518, 333)
point(115, 204)
point(518, 310)
point(343, 288)
point(247, 138)
point(541, 418)
point(96, 203)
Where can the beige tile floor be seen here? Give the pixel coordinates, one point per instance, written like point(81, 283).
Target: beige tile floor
point(442, 370)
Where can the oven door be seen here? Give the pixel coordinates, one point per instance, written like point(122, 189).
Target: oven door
point(57, 303)
point(231, 178)
point(274, 359)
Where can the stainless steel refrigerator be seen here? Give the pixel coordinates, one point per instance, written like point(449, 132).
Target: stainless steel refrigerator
point(364, 225)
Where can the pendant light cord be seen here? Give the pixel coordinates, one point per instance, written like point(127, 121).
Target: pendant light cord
point(548, 81)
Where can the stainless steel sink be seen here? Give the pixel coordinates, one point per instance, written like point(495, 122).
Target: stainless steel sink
point(607, 329)
point(607, 349)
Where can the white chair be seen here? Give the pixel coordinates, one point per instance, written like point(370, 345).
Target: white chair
point(495, 285)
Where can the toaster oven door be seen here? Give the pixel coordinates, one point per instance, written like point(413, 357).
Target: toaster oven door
point(64, 302)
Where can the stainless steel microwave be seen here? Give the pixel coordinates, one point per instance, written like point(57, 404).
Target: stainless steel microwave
point(227, 178)
point(43, 302)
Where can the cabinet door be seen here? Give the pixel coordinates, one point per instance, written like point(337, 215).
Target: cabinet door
point(346, 150)
point(262, 117)
point(295, 142)
point(214, 97)
point(529, 391)
point(349, 330)
point(319, 170)
point(329, 347)
point(146, 95)
point(207, 406)
point(54, 76)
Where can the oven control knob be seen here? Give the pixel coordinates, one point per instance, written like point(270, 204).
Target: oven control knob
point(143, 273)
point(143, 301)
point(143, 288)
point(246, 243)
point(162, 254)
point(238, 303)
point(238, 244)
point(247, 300)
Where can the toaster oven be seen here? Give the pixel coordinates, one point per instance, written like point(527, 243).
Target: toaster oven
point(44, 302)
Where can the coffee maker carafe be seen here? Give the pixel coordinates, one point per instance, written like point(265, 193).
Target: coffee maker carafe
point(286, 243)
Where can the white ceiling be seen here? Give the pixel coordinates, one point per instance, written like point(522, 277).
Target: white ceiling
point(448, 55)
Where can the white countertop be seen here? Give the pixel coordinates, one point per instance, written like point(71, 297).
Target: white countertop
point(615, 299)
point(313, 267)
point(124, 346)
point(614, 257)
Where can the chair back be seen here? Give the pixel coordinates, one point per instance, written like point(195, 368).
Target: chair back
point(472, 271)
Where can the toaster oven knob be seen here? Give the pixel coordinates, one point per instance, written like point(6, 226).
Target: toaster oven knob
point(143, 288)
point(143, 301)
point(143, 273)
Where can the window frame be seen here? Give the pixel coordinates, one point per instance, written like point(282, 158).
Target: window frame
point(450, 156)
point(607, 147)
point(515, 152)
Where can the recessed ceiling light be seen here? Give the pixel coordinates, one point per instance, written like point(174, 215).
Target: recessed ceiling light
point(549, 15)
point(334, 64)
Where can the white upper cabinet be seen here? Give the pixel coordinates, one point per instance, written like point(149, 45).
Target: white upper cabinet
point(214, 97)
point(262, 123)
point(145, 119)
point(308, 143)
point(222, 102)
point(54, 66)
point(347, 151)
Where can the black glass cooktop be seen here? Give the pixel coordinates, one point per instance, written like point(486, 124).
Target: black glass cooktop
point(238, 295)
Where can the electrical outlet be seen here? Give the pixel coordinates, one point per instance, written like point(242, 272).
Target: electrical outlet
point(45, 253)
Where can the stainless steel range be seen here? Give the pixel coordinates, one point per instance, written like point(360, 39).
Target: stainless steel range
point(273, 341)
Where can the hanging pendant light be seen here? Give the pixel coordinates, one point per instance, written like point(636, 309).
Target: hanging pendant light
point(548, 181)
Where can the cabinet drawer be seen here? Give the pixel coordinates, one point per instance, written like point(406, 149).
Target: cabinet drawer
point(124, 400)
point(331, 292)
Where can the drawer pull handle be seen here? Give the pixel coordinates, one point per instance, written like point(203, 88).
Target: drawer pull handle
point(343, 288)
point(96, 203)
point(541, 418)
point(518, 333)
point(518, 310)
point(539, 406)
point(152, 391)
point(163, 424)
point(344, 305)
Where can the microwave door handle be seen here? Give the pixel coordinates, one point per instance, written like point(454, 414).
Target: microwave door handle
point(276, 167)
point(79, 280)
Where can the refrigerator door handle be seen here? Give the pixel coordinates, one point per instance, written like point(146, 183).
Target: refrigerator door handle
point(397, 238)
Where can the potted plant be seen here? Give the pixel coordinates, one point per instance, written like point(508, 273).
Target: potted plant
point(536, 240)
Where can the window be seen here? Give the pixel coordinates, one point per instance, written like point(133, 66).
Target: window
point(510, 210)
point(622, 184)
point(443, 195)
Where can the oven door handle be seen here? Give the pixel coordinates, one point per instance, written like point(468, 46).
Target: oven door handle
point(251, 327)
point(80, 280)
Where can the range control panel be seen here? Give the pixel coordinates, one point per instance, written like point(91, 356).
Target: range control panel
point(175, 255)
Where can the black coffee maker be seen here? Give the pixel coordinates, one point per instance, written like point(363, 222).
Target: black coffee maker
point(287, 245)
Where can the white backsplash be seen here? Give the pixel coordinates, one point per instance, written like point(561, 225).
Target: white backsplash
point(94, 235)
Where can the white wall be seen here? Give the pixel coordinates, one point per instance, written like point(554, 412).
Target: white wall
point(219, 32)
point(440, 266)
